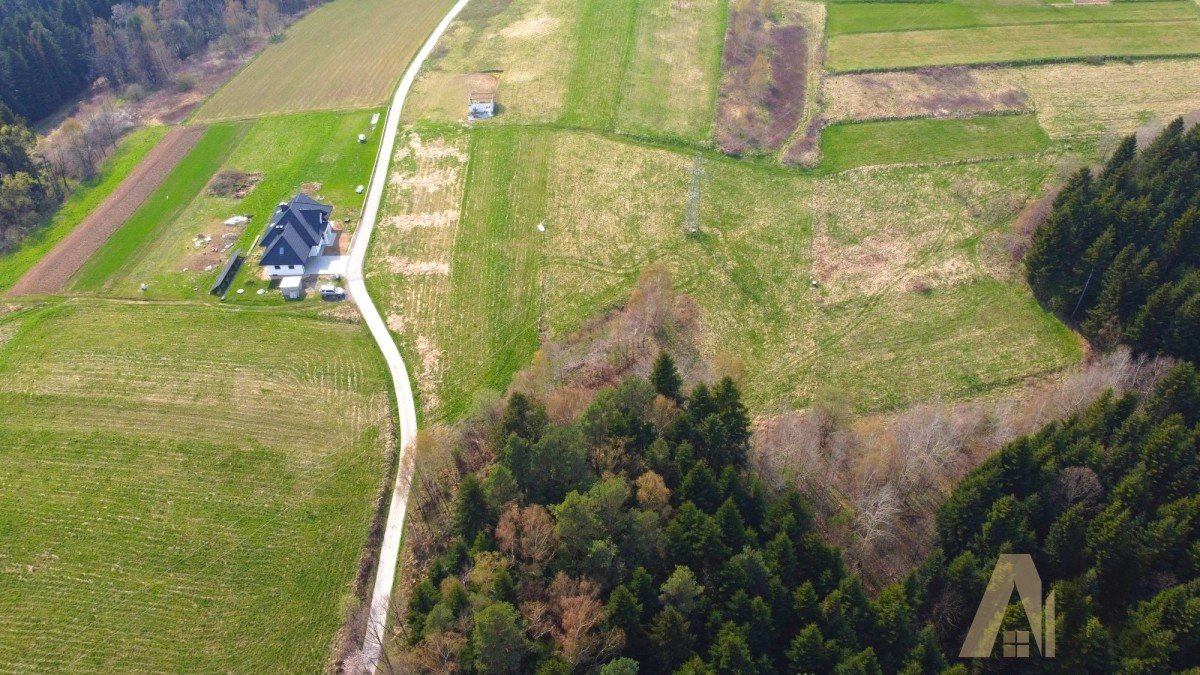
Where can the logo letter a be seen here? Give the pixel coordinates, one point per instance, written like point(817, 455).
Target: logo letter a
point(1011, 570)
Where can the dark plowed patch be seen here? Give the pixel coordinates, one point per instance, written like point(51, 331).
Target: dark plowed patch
point(50, 274)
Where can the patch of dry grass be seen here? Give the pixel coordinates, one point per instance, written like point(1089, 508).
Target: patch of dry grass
point(414, 246)
point(346, 54)
point(896, 230)
point(526, 47)
point(1086, 101)
point(933, 92)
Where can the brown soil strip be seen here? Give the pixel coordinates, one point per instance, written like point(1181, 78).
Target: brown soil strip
point(50, 274)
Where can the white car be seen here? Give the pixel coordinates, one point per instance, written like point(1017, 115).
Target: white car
point(331, 292)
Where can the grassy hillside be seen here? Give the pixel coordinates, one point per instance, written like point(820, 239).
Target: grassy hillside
point(182, 492)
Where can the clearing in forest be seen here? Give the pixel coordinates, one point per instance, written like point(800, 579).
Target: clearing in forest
point(346, 54)
point(183, 491)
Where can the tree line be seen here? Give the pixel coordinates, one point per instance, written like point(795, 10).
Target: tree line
point(1118, 254)
point(52, 50)
point(635, 539)
point(27, 193)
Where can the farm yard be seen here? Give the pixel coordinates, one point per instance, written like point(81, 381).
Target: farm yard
point(182, 489)
point(177, 240)
point(343, 55)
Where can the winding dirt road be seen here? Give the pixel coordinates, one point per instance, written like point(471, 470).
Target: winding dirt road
point(389, 552)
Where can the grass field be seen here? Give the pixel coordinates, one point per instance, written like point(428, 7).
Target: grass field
point(130, 151)
point(159, 210)
point(179, 492)
point(464, 291)
point(346, 54)
point(1174, 31)
point(604, 49)
point(158, 245)
point(875, 17)
point(846, 146)
point(1085, 101)
point(677, 48)
point(507, 40)
point(464, 285)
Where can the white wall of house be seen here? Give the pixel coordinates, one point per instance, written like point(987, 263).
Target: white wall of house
point(285, 270)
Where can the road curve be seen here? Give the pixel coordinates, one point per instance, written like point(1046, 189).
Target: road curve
point(389, 552)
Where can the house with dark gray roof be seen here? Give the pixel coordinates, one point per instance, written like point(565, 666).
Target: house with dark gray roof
point(298, 232)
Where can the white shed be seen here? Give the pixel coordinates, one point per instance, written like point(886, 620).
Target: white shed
point(292, 287)
point(481, 106)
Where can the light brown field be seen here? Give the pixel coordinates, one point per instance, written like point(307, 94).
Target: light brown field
point(1086, 101)
point(526, 47)
point(415, 243)
point(347, 54)
point(942, 92)
point(896, 230)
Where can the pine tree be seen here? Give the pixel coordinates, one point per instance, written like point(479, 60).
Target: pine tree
point(665, 378)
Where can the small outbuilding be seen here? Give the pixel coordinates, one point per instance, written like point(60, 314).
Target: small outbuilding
point(292, 287)
point(481, 105)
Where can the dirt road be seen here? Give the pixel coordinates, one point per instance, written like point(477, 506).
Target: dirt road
point(389, 551)
point(50, 274)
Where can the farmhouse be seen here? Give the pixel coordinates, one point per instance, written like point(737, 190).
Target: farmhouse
point(481, 106)
point(298, 232)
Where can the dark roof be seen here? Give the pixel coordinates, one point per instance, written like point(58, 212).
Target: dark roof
point(295, 228)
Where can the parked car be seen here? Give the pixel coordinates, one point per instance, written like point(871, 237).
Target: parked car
point(331, 292)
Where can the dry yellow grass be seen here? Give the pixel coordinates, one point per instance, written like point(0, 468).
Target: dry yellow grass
point(928, 93)
point(1080, 100)
point(889, 230)
point(347, 54)
point(527, 46)
point(415, 246)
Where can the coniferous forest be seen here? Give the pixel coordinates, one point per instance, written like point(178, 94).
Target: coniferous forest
point(635, 540)
point(1118, 254)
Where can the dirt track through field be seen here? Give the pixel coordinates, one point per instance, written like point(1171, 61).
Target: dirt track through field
point(50, 274)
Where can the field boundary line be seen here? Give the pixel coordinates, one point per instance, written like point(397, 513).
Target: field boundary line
point(389, 550)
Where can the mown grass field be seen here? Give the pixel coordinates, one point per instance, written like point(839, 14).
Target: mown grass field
point(130, 151)
point(179, 492)
point(604, 48)
point(881, 36)
point(346, 54)
point(849, 145)
point(876, 17)
point(158, 245)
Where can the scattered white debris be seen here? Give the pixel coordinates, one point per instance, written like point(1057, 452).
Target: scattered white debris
point(237, 220)
point(320, 198)
point(359, 189)
point(262, 291)
point(542, 226)
point(362, 138)
point(374, 120)
point(241, 290)
point(144, 287)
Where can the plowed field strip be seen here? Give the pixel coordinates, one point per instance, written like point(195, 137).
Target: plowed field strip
point(51, 274)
